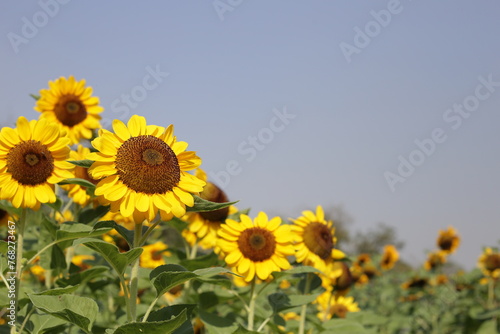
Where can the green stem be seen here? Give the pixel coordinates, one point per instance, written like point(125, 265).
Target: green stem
point(148, 231)
point(491, 293)
point(134, 275)
point(150, 308)
point(251, 311)
point(19, 252)
point(303, 311)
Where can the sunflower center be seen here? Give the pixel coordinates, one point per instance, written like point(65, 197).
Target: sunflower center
point(318, 239)
point(156, 255)
point(446, 243)
point(257, 244)
point(70, 111)
point(147, 164)
point(492, 262)
point(213, 193)
point(30, 163)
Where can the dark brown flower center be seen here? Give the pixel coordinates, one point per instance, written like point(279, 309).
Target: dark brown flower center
point(213, 193)
point(257, 244)
point(318, 239)
point(147, 164)
point(30, 163)
point(156, 255)
point(492, 262)
point(445, 243)
point(70, 110)
point(345, 280)
point(3, 214)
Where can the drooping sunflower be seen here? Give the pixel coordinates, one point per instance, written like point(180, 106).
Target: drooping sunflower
point(32, 159)
point(330, 306)
point(205, 225)
point(152, 255)
point(448, 240)
point(143, 170)
point(70, 104)
point(434, 260)
point(256, 248)
point(315, 239)
point(489, 263)
point(389, 257)
point(77, 192)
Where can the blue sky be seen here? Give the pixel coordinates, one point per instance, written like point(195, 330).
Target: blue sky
point(265, 91)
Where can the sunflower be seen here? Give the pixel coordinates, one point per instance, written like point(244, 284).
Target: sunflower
point(32, 159)
point(389, 257)
point(435, 260)
point(489, 263)
point(415, 283)
point(448, 240)
point(143, 170)
point(78, 260)
point(4, 218)
point(76, 192)
point(315, 239)
point(152, 255)
point(330, 306)
point(70, 104)
point(256, 248)
point(205, 225)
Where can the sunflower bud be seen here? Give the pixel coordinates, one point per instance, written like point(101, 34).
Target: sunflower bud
point(214, 194)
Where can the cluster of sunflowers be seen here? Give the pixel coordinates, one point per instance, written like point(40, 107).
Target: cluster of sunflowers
point(120, 231)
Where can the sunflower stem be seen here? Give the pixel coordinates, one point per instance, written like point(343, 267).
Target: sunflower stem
point(134, 275)
point(150, 229)
point(19, 257)
point(251, 311)
point(303, 311)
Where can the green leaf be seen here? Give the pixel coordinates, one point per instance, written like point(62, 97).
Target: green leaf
point(89, 215)
point(342, 326)
point(242, 330)
point(280, 301)
point(36, 97)
point(111, 253)
point(128, 235)
point(78, 181)
point(58, 291)
point(4, 246)
point(80, 311)
point(168, 312)
point(163, 327)
point(216, 324)
point(296, 270)
point(201, 262)
point(56, 206)
point(82, 276)
point(202, 205)
point(7, 206)
point(178, 224)
point(72, 231)
point(167, 276)
point(82, 163)
point(43, 323)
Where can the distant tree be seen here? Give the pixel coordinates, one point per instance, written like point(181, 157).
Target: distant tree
point(374, 240)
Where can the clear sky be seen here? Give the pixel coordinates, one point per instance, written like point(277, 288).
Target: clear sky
point(292, 104)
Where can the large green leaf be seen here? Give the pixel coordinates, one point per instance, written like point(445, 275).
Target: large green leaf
point(217, 324)
point(128, 235)
point(167, 276)
point(82, 276)
point(202, 205)
point(59, 291)
point(168, 312)
point(111, 253)
point(89, 215)
point(201, 262)
point(43, 323)
point(77, 310)
point(78, 181)
point(156, 327)
point(342, 326)
point(72, 231)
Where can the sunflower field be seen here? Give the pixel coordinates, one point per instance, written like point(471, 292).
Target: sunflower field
point(120, 231)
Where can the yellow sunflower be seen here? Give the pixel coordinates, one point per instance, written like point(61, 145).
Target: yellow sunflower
point(315, 239)
point(389, 257)
point(75, 191)
point(448, 240)
point(331, 306)
point(489, 263)
point(70, 104)
point(152, 255)
point(256, 248)
point(32, 159)
point(205, 225)
point(143, 170)
point(434, 260)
